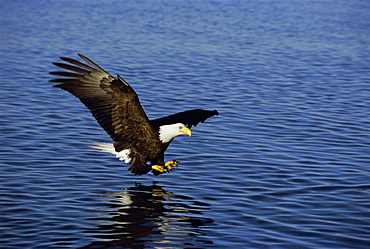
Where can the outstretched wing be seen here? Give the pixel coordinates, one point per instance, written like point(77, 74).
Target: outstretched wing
point(189, 118)
point(113, 103)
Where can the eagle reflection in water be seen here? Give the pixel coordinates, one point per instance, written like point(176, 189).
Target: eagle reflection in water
point(149, 216)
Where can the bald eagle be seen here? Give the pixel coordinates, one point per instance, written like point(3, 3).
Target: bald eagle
point(115, 105)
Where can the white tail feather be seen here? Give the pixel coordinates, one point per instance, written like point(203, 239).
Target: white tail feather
point(122, 155)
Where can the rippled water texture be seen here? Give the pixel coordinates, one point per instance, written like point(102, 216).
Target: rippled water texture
point(285, 165)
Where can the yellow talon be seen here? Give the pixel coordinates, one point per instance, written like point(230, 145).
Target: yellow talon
point(159, 168)
point(171, 164)
point(167, 167)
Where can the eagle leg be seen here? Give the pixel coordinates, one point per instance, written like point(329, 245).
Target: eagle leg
point(167, 167)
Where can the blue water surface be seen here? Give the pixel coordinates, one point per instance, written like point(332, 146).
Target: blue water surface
point(285, 165)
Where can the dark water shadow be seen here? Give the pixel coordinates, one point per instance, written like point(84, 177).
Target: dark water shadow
point(149, 216)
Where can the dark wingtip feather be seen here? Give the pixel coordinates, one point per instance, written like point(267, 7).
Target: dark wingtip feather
point(189, 118)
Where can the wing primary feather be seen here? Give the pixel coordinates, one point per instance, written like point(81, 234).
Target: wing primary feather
point(65, 81)
point(70, 67)
point(91, 63)
point(77, 63)
point(66, 74)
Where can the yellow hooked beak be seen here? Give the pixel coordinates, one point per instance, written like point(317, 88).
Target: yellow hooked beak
point(186, 131)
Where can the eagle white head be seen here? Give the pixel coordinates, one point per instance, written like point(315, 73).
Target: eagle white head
point(169, 132)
